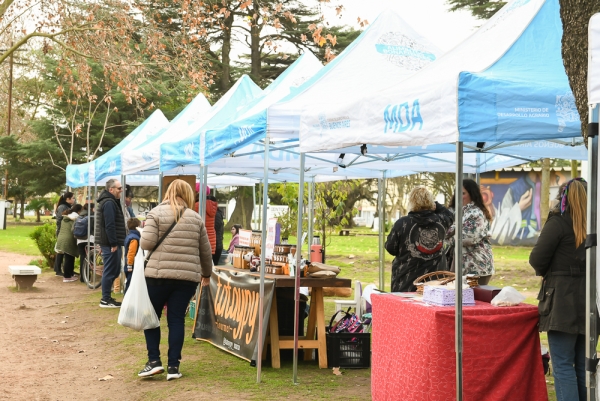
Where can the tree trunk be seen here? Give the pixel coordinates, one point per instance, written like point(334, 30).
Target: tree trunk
point(255, 43)
point(22, 213)
point(242, 214)
point(545, 200)
point(574, 167)
point(575, 16)
point(37, 214)
point(225, 54)
point(15, 208)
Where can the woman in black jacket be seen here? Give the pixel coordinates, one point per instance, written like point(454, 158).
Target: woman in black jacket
point(559, 257)
point(65, 202)
point(417, 240)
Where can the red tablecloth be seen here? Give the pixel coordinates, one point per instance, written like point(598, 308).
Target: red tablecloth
point(414, 353)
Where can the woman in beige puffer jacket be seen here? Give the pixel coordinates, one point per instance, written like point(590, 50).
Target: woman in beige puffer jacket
point(175, 268)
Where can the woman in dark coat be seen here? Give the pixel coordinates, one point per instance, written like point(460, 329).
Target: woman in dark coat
point(559, 257)
point(417, 240)
point(65, 202)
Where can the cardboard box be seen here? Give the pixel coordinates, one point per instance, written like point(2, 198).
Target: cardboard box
point(485, 293)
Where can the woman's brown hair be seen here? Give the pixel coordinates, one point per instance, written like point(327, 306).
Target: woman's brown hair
point(179, 195)
point(577, 207)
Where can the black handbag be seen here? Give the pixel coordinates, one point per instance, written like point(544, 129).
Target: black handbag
point(159, 242)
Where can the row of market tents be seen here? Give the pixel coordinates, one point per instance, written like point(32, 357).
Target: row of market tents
point(390, 88)
point(391, 104)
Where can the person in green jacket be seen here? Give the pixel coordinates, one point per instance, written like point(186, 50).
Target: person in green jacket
point(67, 244)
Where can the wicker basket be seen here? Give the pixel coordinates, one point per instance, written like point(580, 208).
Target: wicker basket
point(440, 277)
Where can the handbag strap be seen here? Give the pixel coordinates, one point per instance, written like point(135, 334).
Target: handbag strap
point(163, 237)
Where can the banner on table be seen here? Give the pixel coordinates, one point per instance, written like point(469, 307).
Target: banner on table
point(228, 316)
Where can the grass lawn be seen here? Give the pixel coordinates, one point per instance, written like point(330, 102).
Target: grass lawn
point(16, 239)
point(357, 255)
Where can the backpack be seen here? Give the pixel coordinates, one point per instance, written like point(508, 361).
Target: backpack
point(80, 228)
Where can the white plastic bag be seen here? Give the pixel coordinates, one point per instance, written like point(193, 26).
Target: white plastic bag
point(508, 296)
point(137, 311)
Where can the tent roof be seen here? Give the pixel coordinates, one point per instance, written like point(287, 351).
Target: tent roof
point(146, 155)
point(186, 151)
point(109, 164)
point(250, 124)
point(505, 82)
point(388, 50)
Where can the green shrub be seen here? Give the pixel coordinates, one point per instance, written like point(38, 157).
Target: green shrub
point(45, 239)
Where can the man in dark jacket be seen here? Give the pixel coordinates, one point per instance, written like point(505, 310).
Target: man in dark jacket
point(417, 240)
point(219, 227)
point(110, 235)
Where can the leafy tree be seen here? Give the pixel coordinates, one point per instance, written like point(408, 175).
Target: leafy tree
point(483, 9)
point(37, 204)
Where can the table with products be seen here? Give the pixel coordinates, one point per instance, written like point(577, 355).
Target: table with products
point(315, 335)
point(414, 351)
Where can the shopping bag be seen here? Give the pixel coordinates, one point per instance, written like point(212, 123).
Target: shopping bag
point(137, 311)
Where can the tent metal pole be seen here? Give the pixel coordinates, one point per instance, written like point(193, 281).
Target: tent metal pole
point(160, 187)
point(478, 168)
point(204, 191)
point(458, 217)
point(253, 205)
point(297, 270)
point(381, 213)
point(94, 250)
point(591, 276)
point(123, 207)
point(263, 255)
point(311, 209)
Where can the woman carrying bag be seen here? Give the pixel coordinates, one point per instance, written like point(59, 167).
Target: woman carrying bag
point(180, 261)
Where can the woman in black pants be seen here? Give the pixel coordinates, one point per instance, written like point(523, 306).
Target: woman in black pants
point(64, 203)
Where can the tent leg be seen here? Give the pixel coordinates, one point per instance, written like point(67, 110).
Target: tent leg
point(381, 213)
point(592, 221)
point(311, 209)
point(458, 216)
point(478, 169)
point(123, 261)
point(253, 206)
point(160, 187)
point(297, 271)
point(263, 255)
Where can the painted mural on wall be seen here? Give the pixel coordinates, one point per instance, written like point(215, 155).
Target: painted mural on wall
point(513, 199)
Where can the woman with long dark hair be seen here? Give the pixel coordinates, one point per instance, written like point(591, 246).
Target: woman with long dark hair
point(559, 257)
point(477, 250)
point(181, 261)
point(65, 202)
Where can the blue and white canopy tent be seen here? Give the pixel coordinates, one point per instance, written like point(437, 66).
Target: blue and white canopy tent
point(183, 149)
point(109, 164)
point(146, 155)
point(504, 83)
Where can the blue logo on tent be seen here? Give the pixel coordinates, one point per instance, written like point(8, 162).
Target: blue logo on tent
point(402, 117)
point(404, 51)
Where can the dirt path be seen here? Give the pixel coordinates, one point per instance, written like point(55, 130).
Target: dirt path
point(48, 352)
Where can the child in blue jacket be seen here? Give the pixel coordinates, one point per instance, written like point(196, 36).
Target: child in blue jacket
point(132, 244)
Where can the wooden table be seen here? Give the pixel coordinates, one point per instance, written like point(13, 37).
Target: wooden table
point(315, 333)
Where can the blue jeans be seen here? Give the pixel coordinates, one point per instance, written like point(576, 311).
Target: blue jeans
point(567, 353)
point(112, 269)
point(176, 294)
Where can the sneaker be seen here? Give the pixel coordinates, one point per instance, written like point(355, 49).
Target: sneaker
point(173, 373)
point(110, 303)
point(151, 369)
point(59, 274)
point(70, 279)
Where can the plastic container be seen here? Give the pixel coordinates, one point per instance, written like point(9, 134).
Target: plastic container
point(348, 350)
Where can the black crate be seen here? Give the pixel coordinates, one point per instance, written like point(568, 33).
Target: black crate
point(349, 350)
